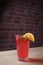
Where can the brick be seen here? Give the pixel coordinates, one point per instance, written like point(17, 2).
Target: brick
point(21, 17)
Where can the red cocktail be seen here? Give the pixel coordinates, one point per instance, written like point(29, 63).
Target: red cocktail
point(22, 47)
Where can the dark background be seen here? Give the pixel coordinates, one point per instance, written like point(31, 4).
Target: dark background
point(19, 17)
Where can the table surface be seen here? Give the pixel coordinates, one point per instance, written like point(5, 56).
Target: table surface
point(10, 57)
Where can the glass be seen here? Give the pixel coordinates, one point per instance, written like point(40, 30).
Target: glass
point(22, 46)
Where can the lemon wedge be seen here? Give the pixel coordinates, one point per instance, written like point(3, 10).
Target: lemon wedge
point(29, 36)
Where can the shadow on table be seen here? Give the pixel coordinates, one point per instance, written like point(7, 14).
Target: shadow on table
point(33, 60)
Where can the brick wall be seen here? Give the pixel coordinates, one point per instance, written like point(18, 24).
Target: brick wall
point(20, 17)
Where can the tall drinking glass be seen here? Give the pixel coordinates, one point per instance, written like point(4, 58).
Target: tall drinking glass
point(22, 46)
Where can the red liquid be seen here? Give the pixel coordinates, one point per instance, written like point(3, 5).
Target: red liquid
point(22, 47)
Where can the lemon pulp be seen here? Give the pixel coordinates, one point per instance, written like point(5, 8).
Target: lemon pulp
point(29, 36)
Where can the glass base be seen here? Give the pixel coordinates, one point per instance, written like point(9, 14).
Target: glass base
point(23, 59)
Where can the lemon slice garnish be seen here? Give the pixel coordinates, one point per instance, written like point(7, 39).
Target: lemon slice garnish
point(29, 36)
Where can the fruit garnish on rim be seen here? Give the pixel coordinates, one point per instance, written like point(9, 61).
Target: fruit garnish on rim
point(28, 36)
